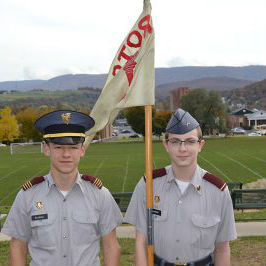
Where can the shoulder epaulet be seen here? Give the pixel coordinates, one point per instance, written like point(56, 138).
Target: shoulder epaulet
point(34, 181)
point(94, 180)
point(157, 173)
point(218, 182)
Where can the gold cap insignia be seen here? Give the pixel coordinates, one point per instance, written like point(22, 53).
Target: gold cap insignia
point(198, 187)
point(39, 204)
point(157, 199)
point(66, 117)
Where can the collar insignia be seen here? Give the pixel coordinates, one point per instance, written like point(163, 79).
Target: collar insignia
point(66, 117)
point(157, 199)
point(187, 124)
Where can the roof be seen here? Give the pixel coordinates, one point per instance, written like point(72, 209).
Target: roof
point(259, 115)
point(242, 111)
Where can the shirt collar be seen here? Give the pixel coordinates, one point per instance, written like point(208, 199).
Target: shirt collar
point(196, 180)
point(51, 183)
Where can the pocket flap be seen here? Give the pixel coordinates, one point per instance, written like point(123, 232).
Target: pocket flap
point(204, 222)
point(83, 217)
point(163, 217)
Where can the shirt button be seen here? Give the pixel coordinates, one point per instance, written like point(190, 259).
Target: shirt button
point(65, 218)
point(64, 200)
point(177, 240)
point(64, 256)
point(180, 202)
point(65, 237)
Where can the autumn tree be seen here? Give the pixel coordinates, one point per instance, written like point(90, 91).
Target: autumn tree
point(8, 125)
point(207, 107)
point(136, 118)
point(26, 119)
point(160, 121)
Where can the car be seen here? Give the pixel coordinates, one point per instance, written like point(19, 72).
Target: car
point(238, 131)
point(134, 136)
point(254, 134)
point(125, 131)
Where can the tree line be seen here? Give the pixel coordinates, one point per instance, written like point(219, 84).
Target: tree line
point(206, 106)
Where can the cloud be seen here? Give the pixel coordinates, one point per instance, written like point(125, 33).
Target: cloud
point(179, 61)
point(47, 73)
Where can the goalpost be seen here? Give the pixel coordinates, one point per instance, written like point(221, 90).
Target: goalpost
point(27, 147)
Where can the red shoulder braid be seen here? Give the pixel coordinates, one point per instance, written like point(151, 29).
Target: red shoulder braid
point(94, 180)
point(218, 182)
point(36, 180)
point(157, 173)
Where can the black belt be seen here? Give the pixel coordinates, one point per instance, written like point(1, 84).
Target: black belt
point(202, 262)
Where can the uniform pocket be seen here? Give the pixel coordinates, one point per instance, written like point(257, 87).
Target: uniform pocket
point(84, 226)
point(207, 227)
point(43, 230)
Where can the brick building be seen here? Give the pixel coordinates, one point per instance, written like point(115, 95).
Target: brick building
point(175, 97)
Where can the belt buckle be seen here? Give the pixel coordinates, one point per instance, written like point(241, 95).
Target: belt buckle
point(181, 264)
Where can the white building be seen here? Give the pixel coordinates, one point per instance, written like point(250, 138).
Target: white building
point(256, 119)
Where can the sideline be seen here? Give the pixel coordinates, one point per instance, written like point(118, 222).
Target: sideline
point(243, 229)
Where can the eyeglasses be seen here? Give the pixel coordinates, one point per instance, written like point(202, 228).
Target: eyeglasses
point(187, 142)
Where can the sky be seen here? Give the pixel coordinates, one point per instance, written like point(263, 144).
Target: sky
point(44, 39)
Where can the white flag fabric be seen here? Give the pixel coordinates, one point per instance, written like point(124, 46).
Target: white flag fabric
point(130, 81)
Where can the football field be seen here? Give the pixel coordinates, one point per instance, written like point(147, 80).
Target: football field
point(120, 165)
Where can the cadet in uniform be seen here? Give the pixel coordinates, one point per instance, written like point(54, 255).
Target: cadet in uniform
point(61, 217)
point(195, 219)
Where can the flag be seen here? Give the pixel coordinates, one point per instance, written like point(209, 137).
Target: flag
point(130, 81)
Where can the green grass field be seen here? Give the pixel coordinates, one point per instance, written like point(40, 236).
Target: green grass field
point(120, 165)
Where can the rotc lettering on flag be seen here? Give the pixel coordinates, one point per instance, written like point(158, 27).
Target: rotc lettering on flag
point(134, 40)
point(130, 81)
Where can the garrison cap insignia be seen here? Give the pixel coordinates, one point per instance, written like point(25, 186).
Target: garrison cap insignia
point(66, 117)
point(39, 204)
point(94, 180)
point(198, 187)
point(32, 182)
point(216, 181)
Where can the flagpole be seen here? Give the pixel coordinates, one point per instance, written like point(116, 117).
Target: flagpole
point(149, 183)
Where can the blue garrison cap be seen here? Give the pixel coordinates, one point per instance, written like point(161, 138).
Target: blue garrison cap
point(181, 122)
point(64, 126)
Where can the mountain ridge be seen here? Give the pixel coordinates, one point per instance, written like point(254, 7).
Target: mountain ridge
point(162, 76)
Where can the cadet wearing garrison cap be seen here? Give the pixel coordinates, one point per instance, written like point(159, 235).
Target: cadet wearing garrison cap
point(194, 221)
point(60, 217)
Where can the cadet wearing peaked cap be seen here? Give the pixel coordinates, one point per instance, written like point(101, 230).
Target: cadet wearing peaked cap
point(61, 217)
point(64, 126)
point(194, 221)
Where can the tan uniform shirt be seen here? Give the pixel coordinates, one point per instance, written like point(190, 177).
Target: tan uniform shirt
point(63, 230)
point(190, 223)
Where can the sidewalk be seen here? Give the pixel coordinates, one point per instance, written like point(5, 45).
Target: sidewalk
point(243, 229)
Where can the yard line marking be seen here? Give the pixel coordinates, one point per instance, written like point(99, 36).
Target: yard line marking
point(125, 177)
point(7, 175)
point(218, 169)
point(99, 167)
point(244, 166)
point(254, 157)
point(154, 164)
point(18, 188)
